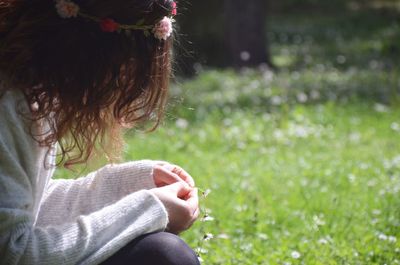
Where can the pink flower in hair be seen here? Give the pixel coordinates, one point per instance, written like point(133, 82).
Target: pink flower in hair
point(67, 9)
point(163, 29)
point(174, 9)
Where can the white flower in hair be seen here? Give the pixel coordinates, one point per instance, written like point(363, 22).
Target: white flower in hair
point(67, 9)
point(163, 29)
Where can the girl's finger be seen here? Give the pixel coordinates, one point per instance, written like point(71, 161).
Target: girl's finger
point(181, 173)
point(180, 189)
point(196, 214)
point(163, 177)
point(192, 199)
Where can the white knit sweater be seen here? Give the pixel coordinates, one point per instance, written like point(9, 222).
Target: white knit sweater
point(82, 221)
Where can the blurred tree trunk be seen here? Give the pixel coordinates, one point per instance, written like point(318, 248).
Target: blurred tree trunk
point(247, 33)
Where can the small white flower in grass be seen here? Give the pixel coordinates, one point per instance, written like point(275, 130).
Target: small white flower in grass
point(205, 193)
point(324, 189)
point(395, 126)
point(380, 108)
point(355, 137)
point(318, 220)
point(302, 97)
point(396, 161)
point(372, 183)
point(207, 218)
point(351, 178)
point(341, 59)
point(295, 254)
point(182, 123)
point(382, 236)
point(241, 145)
point(315, 94)
point(364, 166)
point(201, 250)
point(376, 212)
point(276, 100)
point(392, 239)
point(299, 131)
point(374, 221)
point(223, 236)
point(262, 236)
point(208, 237)
point(278, 134)
point(304, 240)
point(323, 241)
point(247, 247)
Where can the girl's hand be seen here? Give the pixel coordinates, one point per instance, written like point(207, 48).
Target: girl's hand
point(182, 204)
point(166, 174)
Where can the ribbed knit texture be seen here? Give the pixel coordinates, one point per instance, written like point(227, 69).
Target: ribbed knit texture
point(82, 221)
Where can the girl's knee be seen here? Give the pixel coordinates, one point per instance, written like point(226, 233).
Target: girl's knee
point(165, 249)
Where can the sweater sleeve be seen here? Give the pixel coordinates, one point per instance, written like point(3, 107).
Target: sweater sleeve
point(93, 192)
point(86, 238)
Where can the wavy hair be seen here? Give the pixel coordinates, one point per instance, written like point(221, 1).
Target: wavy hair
point(87, 84)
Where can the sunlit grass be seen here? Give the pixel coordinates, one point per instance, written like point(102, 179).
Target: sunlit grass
point(320, 181)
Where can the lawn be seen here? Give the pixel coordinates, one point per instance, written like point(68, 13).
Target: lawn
point(313, 185)
point(303, 164)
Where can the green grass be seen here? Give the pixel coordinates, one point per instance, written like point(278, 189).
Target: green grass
point(303, 164)
point(321, 180)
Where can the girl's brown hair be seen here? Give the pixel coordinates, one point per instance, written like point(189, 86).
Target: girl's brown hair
point(88, 84)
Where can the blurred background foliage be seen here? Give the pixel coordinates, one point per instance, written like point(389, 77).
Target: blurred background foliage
point(315, 51)
point(205, 26)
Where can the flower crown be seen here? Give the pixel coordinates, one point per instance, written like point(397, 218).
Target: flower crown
point(162, 30)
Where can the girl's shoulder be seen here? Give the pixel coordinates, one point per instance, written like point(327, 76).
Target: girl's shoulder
point(12, 105)
point(14, 116)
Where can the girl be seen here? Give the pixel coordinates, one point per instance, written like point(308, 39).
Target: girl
point(75, 73)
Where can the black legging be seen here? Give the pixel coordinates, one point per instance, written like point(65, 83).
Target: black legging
point(155, 249)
